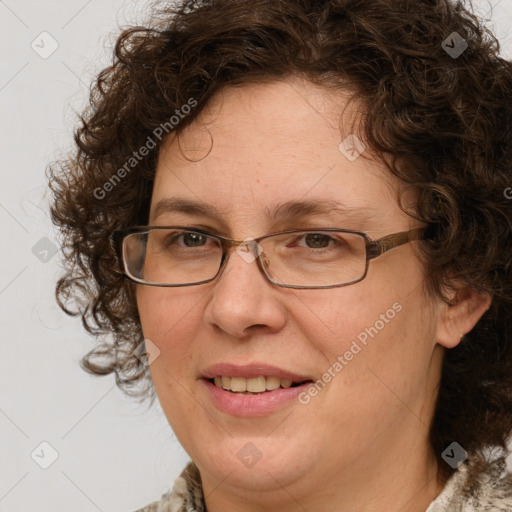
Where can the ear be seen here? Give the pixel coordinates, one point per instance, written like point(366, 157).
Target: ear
point(459, 318)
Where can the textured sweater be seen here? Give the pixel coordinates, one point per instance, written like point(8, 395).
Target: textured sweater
point(493, 492)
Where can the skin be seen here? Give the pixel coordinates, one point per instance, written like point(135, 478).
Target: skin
point(361, 443)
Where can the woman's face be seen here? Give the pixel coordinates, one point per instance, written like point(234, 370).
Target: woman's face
point(271, 144)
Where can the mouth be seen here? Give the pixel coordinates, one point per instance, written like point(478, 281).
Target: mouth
point(254, 385)
point(253, 390)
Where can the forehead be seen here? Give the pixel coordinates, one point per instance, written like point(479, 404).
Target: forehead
point(258, 146)
point(291, 120)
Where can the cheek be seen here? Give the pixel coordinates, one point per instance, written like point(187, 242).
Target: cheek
point(169, 319)
point(379, 326)
point(331, 322)
point(374, 360)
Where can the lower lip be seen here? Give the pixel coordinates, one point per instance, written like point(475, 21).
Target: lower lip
point(252, 405)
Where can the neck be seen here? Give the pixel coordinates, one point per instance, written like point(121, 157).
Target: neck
point(408, 485)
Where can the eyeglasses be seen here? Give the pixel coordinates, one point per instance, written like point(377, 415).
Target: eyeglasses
point(306, 258)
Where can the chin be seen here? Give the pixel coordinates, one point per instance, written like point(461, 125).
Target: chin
point(256, 463)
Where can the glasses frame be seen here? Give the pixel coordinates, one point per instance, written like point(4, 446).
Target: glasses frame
point(374, 249)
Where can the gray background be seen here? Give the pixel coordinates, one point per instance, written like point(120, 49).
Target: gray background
point(112, 454)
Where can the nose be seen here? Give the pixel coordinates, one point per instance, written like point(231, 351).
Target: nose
point(242, 298)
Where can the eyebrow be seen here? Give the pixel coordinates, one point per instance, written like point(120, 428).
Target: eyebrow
point(290, 210)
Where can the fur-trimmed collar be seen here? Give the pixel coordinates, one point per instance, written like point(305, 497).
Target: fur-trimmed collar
point(493, 493)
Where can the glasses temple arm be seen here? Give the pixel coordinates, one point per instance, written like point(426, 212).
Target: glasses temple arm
point(386, 243)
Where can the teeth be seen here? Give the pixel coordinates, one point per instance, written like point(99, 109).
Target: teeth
point(256, 384)
point(252, 385)
point(226, 382)
point(238, 384)
point(273, 383)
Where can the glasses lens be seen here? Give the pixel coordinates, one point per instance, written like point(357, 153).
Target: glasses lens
point(304, 258)
point(319, 258)
point(171, 256)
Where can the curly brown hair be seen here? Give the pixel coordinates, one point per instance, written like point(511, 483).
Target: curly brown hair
point(443, 119)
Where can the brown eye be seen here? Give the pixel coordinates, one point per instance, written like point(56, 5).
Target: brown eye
point(193, 239)
point(317, 240)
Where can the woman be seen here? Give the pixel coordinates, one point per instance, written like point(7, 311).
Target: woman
point(360, 358)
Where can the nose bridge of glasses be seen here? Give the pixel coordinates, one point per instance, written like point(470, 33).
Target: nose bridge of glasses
point(248, 248)
point(247, 244)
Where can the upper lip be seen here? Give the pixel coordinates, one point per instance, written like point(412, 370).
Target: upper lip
point(251, 370)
